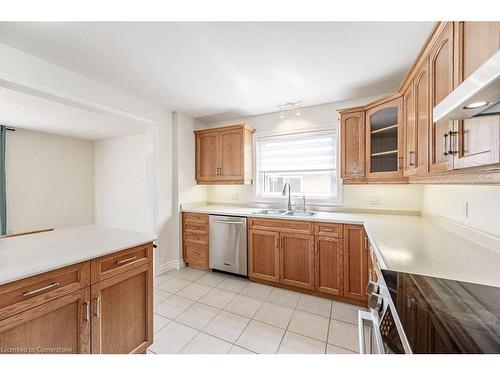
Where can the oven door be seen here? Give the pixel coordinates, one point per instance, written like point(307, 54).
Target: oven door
point(370, 339)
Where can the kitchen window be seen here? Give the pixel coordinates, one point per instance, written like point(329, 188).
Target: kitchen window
point(306, 160)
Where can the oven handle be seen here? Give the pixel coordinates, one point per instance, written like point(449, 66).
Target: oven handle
point(367, 316)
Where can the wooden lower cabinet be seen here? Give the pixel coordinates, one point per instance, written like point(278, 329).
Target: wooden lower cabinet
point(329, 265)
point(56, 327)
point(424, 331)
point(263, 255)
point(122, 308)
point(297, 260)
point(355, 262)
point(72, 310)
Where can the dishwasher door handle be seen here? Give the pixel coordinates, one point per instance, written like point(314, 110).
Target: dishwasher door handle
point(228, 222)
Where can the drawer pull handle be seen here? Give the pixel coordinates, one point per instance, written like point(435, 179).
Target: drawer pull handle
point(126, 260)
point(328, 229)
point(195, 253)
point(50, 286)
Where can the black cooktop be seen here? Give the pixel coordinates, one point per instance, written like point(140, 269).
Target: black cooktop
point(445, 316)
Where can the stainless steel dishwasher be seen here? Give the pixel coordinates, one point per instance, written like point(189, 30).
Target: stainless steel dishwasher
point(228, 244)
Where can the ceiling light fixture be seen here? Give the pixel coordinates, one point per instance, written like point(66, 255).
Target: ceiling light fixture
point(476, 105)
point(289, 107)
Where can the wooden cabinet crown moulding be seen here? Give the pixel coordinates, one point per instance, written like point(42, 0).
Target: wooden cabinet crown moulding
point(224, 155)
point(445, 152)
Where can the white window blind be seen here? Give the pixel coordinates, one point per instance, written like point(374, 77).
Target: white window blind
point(307, 161)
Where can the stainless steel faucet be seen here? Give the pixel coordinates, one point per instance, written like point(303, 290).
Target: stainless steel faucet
point(289, 203)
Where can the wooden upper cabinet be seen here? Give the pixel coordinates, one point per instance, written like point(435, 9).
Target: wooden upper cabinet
point(329, 265)
point(384, 142)
point(224, 155)
point(476, 140)
point(122, 310)
point(416, 121)
point(410, 138)
point(297, 260)
point(441, 60)
point(60, 326)
point(355, 262)
point(420, 157)
point(263, 255)
point(352, 131)
point(207, 155)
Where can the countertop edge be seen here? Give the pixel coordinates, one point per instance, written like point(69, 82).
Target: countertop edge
point(92, 254)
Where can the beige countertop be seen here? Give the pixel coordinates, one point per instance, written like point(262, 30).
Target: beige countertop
point(413, 244)
point(30, 255)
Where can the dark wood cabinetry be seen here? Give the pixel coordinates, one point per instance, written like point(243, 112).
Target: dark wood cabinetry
point(425, 333)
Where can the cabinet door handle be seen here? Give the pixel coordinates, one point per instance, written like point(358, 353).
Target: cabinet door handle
point(97, 312)
point(86, 312)
point(366, 243)
point(276, 242)
point(410, 158)
point(126, 260)
point(453, 141)
point(445, 148)
point(47, 287)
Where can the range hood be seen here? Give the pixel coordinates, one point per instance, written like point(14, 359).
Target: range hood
point(478, 95)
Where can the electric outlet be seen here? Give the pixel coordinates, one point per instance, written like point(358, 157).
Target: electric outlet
point(465, 209)
point(374, 200)
point(235, 197)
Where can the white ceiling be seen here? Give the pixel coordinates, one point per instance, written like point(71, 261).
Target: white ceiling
point(24, 111)
point(217, 70)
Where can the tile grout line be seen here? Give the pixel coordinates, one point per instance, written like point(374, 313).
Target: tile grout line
point(328, 332)
point(288, 325)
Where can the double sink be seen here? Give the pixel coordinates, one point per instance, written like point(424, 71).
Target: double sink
point(279, 212)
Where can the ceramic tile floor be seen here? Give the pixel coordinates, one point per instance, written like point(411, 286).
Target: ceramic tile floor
point(201, 312)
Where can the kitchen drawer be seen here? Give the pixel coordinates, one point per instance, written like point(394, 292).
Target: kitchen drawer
point(200, 239)
point(196, 253)
point(195, 228)
point(116, 263)
point(195, 218)
point(293, 226)
point(25, 294)
point(328, 229)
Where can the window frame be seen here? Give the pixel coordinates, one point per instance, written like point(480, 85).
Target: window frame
point(323, 200)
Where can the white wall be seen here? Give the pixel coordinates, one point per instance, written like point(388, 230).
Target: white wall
point(188, 190)
point(402, 197)
point(483, 205)
point(29, 74)
point(124, 189)
point(49, 181)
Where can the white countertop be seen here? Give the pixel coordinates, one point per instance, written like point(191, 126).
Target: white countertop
point(411, 244)
point(29, 255)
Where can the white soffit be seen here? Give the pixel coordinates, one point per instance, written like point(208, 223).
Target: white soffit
point(24, 111)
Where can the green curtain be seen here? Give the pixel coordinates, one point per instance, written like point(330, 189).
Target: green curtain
point(3, 197)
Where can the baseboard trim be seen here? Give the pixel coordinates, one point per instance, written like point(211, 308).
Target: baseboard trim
point(175, 264)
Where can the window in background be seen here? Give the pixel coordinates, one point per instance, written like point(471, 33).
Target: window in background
point(307, 161)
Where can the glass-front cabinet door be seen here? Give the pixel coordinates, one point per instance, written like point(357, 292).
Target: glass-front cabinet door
point(384, 141)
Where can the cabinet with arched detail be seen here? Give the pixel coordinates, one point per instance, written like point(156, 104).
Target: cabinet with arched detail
point(384, 136)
